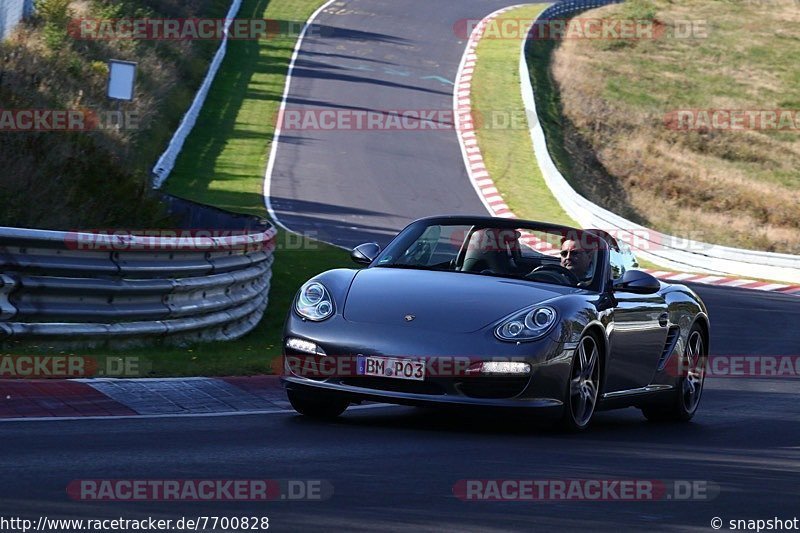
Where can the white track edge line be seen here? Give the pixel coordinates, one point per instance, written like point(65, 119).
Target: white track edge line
point(267, 183)
point(175, 415)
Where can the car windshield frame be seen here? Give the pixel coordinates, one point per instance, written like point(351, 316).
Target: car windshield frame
point(412, 233)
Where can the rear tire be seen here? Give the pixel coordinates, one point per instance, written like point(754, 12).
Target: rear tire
point(689, 388)
point(323, 407)
point(583, 387)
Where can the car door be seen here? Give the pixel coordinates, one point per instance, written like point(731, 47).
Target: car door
point(637, 332)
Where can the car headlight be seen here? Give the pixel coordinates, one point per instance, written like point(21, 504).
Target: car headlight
point(527, 325)
point(314, 302)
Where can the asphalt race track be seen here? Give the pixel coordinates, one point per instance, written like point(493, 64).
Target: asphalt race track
point(348, 187)
point(394, 468)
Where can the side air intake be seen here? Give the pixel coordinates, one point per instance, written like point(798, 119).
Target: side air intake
point(669, 346)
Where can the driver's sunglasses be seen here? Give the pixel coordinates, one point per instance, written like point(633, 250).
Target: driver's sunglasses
point(565, 253)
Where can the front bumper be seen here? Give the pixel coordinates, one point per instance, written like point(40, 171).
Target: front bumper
point(543, 389)
point(360, 394)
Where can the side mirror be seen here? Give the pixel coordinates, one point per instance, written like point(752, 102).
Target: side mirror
point(637, 282)
point(364, 254)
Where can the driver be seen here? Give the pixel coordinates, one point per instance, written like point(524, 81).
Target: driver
point(575, 258)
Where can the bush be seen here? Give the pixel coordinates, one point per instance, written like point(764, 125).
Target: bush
point(56, 15)
point(99, 177)
point(99, 68)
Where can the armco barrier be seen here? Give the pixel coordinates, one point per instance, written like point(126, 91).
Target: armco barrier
point(132, 289)
point(166, 162)
point(669, 251)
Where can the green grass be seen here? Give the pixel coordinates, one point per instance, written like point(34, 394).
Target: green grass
point(548, 104)
point(508, 151)
point(223, 164)
point(726, 186)
point(697, 72)
point(252, 354)
point(255, 352)
point(44, 68)
point(223, 161)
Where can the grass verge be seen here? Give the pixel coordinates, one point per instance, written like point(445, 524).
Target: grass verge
point(507, 151)
point(645, 121)
point(252, 354)
point(506, 147)
point(223, 160)
point(222, 164)
point(95, 176)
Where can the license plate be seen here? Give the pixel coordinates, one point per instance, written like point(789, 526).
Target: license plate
point(391, 367)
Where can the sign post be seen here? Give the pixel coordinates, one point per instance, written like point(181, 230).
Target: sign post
point(121, 79)
point(121, 82)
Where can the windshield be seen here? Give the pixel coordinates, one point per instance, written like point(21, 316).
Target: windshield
point(560, 256)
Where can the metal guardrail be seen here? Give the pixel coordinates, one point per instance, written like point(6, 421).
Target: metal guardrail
point(166, 162)
point(73, 286)
point(666, 250)
point(572, 7)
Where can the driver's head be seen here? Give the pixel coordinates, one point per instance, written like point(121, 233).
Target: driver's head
point(575, 258)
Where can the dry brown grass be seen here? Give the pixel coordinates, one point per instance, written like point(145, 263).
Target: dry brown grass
point(740, 188)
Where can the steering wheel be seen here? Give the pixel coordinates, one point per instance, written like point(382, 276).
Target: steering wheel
point(559, 270)
point(421, 253)
point(516, 253)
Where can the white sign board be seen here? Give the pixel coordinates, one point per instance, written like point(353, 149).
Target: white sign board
point(121, 77)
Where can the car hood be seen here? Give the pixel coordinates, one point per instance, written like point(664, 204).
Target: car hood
point(451, 302)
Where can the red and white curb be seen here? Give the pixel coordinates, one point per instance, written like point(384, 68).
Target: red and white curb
point(497, 206)
point(722, 281)
point(465, 124)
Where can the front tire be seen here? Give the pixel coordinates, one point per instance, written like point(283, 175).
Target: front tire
point(323, 407)
point(583, 387)
point(689, 389)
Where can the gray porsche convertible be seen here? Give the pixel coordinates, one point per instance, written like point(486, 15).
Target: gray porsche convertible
point(499, 313)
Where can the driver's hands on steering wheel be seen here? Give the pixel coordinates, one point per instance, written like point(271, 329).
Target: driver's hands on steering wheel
point(557, 271)
point(421, 253)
